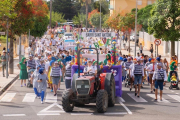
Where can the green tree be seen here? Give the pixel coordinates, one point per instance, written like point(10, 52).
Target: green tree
point(143, 16)
point(105, 20)
point(165, 21)
point(126, 24)
point(40, 26)
point(57, 18)
point(80, 19)
point(95, 20)
point(104, 6)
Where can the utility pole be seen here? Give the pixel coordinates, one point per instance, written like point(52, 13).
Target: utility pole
point(100, 15)
point(135, 31)
point(50, 13)
point(7, 52)
point(20, 48)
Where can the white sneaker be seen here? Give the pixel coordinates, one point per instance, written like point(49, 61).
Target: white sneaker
point(41, 102)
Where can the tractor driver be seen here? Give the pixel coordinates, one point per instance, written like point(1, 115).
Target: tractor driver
point(90, 69)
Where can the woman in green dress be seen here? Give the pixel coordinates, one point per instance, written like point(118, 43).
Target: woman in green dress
point(23, 71)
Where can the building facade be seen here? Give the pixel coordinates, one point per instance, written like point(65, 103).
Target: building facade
point(125, 6)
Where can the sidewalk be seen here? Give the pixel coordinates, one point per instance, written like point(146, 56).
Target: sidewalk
point(4, 82)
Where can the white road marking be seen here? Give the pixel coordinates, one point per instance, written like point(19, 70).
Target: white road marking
point(121, 99)
point(14, 115)
point(46, 111)
point(176, 97)
point(140, 99)
point(81, 113)
point(127, 109)
point(7, 90)
point(48, 114)
point(166, 88)
point(51, 98)
point(177, 93)
point(163, 100)
point(29, 97)
point(115, 113)
point(172, 91)
point(8, 97)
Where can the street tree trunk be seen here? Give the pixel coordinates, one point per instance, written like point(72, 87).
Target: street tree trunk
point(86, 13)
point(11, 58)
point(129, 42)
point(172, 48)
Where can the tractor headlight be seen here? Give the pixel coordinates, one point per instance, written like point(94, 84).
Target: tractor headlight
point(83, 87)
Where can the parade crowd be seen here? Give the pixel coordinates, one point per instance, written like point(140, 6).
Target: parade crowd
point(50, 62)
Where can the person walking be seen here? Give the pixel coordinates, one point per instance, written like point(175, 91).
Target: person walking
point(49, 76)
point(3, 60)
point(141, 48)
point(56, 75)
point(34, 78)
point(160, 78)
point(68, 75)
point(23, 71)
point(42, 84)
point(138, 73)
point(165, 65)
point(151, 49)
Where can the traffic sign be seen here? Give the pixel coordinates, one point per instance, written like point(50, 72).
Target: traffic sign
point(2, 33)
point(157, 42)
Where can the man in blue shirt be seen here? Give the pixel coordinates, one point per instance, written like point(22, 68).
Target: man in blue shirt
point(68, 57)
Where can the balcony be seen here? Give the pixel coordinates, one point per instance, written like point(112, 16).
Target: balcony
point(111, 7)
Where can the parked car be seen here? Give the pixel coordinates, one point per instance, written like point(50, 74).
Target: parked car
point(132, 37)
point(67, 35)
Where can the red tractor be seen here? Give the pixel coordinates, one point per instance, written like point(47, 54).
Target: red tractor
point(90, 88)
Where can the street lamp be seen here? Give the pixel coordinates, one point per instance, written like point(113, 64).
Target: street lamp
point(135, 31)
point(78, 57)
point(114, 43)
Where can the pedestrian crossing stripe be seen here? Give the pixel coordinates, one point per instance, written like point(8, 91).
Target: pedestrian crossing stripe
point(163, 100)
point(50, 98)
point(140, 99)
point(29, 97)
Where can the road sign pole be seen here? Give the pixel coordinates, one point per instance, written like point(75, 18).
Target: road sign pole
point(7, 52)
point(155, 50)
point(20, 48)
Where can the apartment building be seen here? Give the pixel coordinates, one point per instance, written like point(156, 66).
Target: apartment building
point(125, 6)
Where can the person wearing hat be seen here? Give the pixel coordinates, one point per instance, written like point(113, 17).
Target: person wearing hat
point(42, 63)
point(131, 72)
point(31, 64)
point(150, 69)
point(23, 71)
point(56, 75)
point(34, 78)
point(38, 60)
point(124, 72)
point(160, 79)
point(120, 59)
point(138, 73)
point(90, 69)
point(42, 84)
point(3, 60)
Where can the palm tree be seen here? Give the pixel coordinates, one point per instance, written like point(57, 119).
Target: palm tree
point(86, 3)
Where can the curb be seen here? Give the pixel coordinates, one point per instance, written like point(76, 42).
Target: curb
point(9, 84)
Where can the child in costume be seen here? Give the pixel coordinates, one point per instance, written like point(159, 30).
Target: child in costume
point(107, 61)
point(173, 77)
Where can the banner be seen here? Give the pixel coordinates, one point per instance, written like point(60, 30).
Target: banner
point(98, 34)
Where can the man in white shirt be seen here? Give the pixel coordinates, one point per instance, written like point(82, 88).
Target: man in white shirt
point(90, 69)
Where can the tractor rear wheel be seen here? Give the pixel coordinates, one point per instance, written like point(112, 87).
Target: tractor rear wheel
point(67, 104)
point(102, 101)
point(112, 93)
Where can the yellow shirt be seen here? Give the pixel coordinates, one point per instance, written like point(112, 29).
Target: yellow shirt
point(173, 78)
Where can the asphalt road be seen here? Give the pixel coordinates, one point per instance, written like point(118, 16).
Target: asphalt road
point(19, 103)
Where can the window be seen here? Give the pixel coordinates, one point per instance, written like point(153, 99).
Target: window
point(139, 2)
point(149, 2)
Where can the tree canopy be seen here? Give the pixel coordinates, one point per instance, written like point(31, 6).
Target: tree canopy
point(164, 22)
point(143, 16)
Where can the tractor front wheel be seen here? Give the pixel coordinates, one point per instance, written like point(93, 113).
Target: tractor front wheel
point(67, 104)
point(112, 93)
point(102, 101)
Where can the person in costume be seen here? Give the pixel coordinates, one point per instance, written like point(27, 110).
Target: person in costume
point(173, 67)
point(34, 78)
point(107, 61)
point(23, 71)
point(49, 77)
point(42, 83)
